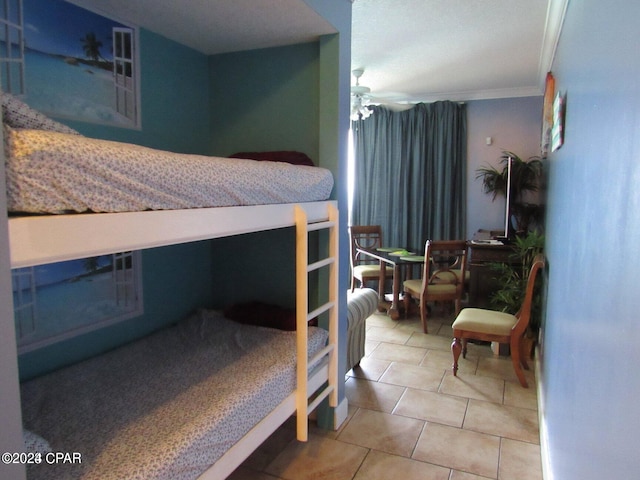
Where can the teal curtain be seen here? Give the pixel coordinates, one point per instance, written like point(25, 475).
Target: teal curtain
point(410, 173)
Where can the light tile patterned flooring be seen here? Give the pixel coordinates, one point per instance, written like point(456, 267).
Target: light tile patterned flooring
point(410, 418)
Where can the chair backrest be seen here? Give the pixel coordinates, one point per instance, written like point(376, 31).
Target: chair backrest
point(445, 262)
point(524, 314)
point(363, 236)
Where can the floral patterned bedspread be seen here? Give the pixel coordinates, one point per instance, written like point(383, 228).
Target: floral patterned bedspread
point(55, 172)
point(166, 406)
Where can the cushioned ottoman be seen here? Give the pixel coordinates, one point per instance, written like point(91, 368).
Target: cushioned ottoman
point(360, 305)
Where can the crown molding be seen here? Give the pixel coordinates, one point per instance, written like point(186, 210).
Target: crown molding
point(553, 28)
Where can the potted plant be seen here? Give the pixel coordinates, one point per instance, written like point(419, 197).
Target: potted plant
point(525, 177)
point(512, 278)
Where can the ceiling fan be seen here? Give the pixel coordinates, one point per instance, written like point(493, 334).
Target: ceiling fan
point(361, 99)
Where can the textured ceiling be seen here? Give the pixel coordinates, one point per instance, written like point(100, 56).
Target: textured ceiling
point(411, 50)
point(220, 26)
point(428, 50)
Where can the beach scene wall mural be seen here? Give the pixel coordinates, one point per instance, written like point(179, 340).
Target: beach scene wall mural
point(61, 300)
point(77, 64)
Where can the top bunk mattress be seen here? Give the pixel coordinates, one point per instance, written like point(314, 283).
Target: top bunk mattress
point(58, 172)
point(166, 406)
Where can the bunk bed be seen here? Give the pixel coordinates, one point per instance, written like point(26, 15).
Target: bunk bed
point(310, 379)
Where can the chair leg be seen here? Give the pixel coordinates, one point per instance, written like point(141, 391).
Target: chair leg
point(407, 303)
point(456, 349)
point(423, 315)
point(353, 284)
point(516, 358)
point(523, 356)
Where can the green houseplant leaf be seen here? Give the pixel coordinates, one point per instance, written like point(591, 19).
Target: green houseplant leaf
point(525, 177)
point(513, 276)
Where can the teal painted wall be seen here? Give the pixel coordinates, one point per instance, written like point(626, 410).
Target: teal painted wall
point(262, 100)
point(259, 100)
point(265, 100)
point(174, 100)
point(335, 89)
point(288, 98)
point(175, 116)
point(256, 266)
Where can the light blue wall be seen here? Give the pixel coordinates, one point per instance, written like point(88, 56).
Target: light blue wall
point(590, 378)
point(514, 124)
point(175, 116)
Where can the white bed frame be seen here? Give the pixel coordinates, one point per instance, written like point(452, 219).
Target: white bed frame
point(37, 240)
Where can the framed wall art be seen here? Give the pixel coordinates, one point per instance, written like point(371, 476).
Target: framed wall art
point(547, 115)
point(557, 131)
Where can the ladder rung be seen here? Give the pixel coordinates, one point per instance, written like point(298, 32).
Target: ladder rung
point(311, 227)
point(321, 396)
point(320, 263)
point(320, 310)
point(325, 351)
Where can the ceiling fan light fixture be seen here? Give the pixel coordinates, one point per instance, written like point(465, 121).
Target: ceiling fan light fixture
point(359, 102)
point(359, 108)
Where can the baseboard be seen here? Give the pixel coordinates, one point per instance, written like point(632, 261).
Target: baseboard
point(340, 413)
point(547, 474)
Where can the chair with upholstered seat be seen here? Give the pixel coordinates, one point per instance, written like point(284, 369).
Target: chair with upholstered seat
point(494, 326)
point(365, 269)
point(442, 277)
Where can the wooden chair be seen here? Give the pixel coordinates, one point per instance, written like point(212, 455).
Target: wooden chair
point(493, 326)
point(365, 269)
point(442, 277)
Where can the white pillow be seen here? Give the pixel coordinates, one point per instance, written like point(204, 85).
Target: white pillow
point(18, 114)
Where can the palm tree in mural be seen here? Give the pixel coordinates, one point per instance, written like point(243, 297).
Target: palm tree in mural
point(91, 46)
point(91, 264)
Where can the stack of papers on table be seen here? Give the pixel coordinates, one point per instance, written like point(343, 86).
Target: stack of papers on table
point(487, 242)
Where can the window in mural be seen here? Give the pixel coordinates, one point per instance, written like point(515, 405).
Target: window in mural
point(69, 62)
point(61, 300)
point(12, 46)
point(123, 70)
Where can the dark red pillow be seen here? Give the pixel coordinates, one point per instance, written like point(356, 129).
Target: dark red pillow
point(262, 314)
point(292, 157)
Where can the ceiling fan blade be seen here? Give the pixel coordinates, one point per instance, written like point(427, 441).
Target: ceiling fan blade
point(389, 103)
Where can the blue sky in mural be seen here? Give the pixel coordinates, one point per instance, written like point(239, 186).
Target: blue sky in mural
point(56, 26)
point(60, 79)
point(62, 271)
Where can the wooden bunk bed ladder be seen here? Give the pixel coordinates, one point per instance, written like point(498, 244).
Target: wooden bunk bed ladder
point(309, 396)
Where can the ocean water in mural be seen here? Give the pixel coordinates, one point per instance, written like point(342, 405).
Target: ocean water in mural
point(79, 91)
point(63, 306)
point(69, 296)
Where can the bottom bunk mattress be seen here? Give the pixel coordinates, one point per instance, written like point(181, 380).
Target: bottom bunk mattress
point(166, 406)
